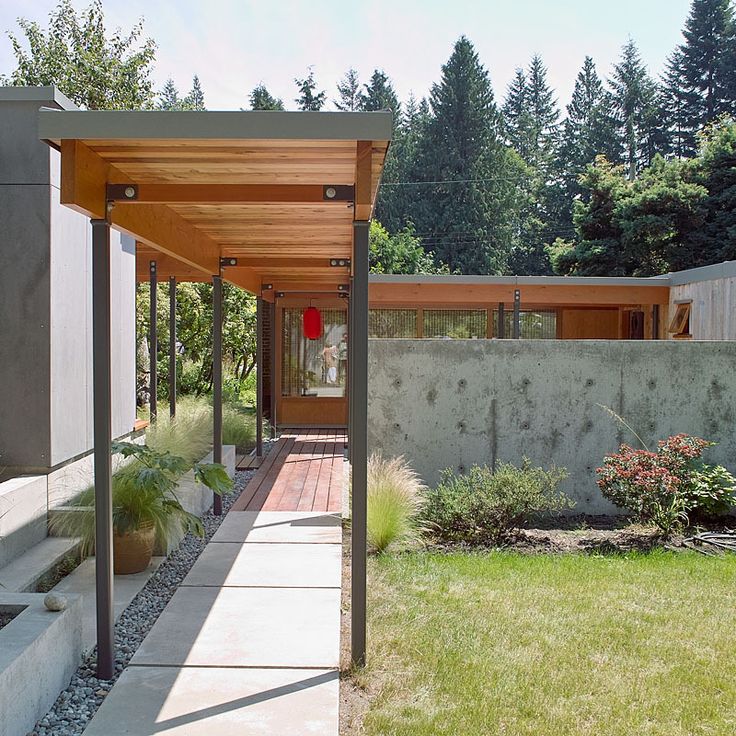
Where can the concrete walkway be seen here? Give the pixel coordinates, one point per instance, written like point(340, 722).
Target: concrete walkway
point(250, 642)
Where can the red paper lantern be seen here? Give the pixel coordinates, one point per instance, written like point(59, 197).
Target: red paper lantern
point(312, 318)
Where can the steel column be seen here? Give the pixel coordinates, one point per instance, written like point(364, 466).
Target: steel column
point(274, 367)
point(349, 377)
point(655, 322)
point(153, 342)
point(217, 380)
point(102, 434)
point(501, 320)
point(359, 437)
point(259, 377)
point(172, 346)
point(517, 315)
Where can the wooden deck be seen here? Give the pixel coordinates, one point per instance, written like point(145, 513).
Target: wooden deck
point(304, 471)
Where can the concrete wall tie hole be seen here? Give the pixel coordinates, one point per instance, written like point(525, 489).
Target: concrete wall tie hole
point(590, 382)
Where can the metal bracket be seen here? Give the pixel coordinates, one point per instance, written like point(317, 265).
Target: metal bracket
point(340, 262)
point(121, 192)
point(338, 193)
point(152, 267)
point(280, 294)
point(228, 262)
point(344, 288)
point(267, 287)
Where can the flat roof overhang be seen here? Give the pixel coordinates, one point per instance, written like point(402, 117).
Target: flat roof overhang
point(278, 192)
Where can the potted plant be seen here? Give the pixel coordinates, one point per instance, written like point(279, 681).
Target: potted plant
point(144, 505)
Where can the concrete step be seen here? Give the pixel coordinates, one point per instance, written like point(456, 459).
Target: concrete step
point(58, 515)
point(23, 574)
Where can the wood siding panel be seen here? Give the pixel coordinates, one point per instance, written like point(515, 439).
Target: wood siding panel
point(712, 316)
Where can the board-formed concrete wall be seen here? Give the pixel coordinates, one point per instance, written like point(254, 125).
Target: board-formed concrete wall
point(453, 403)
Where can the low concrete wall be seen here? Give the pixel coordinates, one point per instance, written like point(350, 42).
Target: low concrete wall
point(22, 515)
point(39, 653)
point(453, 403)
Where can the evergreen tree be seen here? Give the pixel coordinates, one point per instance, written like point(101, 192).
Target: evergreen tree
point(168, 97)
point(309, 98)
point(636, 102)
point(195, 99)
point(465, 203)
point(542, 113)
point(516, 120)
point(701, 72)
point(379, 94)
point(348, 89)
point(76, 55)
point(262, 99)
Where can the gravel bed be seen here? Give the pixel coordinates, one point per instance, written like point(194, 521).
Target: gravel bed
point(6, 618)
point(76, 705)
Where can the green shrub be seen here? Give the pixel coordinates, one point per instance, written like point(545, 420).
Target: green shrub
point(188, 434)
point(395, 499)
point(238, 427)
point(483, 506)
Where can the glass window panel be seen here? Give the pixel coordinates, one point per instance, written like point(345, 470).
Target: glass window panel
point(314, 367)
point(540, 325)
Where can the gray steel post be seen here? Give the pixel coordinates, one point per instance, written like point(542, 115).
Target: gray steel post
point(102, 434)
point(349, 379)
point(359, 438)
point(153, 342)
point(217, 381)
point(172, 346)
point(517, 314)
point(655, 322)
point(272, 362)
point(501, 320)
point(259, 377)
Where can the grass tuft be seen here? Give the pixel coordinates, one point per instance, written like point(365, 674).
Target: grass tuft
point(395, 499)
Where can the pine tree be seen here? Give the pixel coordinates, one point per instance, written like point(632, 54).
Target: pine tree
point(309, 98)
point(463, 210)
point(379, 94)
point(701, 73)
point(542, 112)
point(168, 97)
point(348, 89)
point(195, 99)
point(262, 99)
point(636, 102)
point(516, 122)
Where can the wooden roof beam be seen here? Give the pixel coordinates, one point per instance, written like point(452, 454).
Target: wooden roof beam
point(363, 180)
point(231, 193)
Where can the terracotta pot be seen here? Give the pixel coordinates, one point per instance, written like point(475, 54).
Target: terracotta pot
point(133, 550)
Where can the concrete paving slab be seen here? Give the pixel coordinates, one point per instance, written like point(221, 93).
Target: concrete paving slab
point(82, 582)
point(186, 701)
point(267, 565)
point(295, 527)
point(246, 627)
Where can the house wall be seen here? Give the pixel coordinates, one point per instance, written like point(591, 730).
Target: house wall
point(589, 324)
point(453, 403)
point(46, 302)
point(713, 311)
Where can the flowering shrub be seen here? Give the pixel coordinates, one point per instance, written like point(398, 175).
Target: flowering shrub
point(665, 485)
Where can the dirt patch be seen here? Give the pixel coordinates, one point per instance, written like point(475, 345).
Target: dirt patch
point(354, 699)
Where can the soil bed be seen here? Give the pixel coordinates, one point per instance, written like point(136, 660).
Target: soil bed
point(6, 617)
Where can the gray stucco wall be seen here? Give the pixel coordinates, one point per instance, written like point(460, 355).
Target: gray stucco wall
point(452, 403)
point(45, 303)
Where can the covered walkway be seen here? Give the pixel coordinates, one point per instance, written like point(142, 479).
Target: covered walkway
point(305, 471)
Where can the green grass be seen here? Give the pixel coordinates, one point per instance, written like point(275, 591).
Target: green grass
point(500, 643)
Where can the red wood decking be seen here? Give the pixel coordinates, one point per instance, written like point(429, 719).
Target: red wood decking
point(304, 471)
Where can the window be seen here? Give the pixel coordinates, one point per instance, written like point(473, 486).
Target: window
point(392, 323)
point(455, 323)
point(680, 325)
point(538, 325)
point(314, 367)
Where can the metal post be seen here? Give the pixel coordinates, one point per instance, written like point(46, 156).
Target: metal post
point(501, 320)
point(102, 433)
point(517, 314)
point(349, 379)
point(655, 322)
point(272, 362)
point(153, 343)
point(259, 377)
point(217, 381)
point(359, 437)
point(172, 346)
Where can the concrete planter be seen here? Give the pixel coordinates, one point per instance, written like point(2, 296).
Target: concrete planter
point(39, 652)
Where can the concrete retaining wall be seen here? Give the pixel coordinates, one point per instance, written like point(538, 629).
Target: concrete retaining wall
point(452, 403)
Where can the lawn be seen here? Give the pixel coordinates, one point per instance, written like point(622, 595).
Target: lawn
point(501, 643)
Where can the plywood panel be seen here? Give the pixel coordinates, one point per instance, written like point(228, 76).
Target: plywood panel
point(589, 324)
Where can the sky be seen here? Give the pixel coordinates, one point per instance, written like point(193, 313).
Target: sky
point(233, 45)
